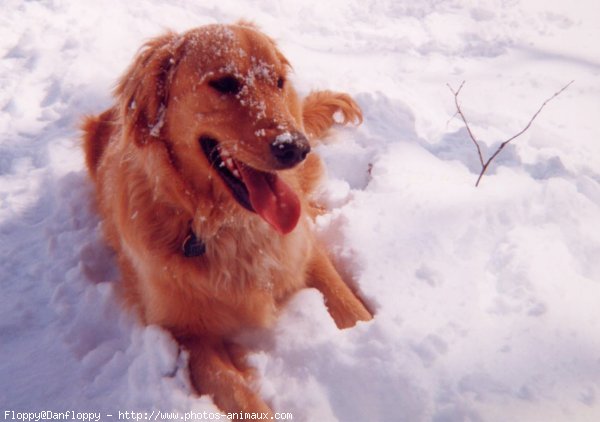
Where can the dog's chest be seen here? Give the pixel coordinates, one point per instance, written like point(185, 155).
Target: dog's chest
point(259, 259)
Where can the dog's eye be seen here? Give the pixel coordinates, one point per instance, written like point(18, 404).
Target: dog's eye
point(226, 85)
point(280, 82)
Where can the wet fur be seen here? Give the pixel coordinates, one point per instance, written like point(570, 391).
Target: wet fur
point(154, 185)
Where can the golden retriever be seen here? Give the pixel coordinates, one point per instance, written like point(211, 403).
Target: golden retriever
point(203, 177)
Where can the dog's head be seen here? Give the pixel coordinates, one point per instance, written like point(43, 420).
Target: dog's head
point(219, 100)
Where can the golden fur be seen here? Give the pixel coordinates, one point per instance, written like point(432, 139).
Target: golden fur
point(154, 187)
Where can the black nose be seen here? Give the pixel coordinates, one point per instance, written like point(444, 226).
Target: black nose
point(289, 149)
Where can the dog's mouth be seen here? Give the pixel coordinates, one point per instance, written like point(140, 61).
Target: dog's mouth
point(261, 192)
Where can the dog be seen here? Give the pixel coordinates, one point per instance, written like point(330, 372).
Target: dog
point(203, 178)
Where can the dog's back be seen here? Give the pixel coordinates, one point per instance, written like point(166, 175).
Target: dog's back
point(97, 131)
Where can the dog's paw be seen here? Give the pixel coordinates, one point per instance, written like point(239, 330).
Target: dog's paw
point(322, 109)
point(348, 111)
point(348, 314)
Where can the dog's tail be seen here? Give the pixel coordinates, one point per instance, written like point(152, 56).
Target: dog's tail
point(322, 109)
point(96, 134)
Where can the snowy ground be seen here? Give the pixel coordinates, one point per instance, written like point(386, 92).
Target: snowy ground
point(486, 298)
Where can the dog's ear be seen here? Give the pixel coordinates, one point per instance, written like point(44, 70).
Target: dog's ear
point(143, 91)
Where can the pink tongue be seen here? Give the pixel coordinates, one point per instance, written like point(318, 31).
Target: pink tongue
point(272, 199)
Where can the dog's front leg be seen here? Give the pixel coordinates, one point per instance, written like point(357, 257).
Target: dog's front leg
point(215, 370)
point(345, 307)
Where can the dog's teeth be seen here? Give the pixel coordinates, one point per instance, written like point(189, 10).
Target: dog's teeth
point(226, 161)
point(231, 166)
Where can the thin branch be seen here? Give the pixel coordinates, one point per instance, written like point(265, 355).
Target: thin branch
point(485, 165)
point(464, 119)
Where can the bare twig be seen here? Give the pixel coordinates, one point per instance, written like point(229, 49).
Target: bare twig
point(464, 119)
point(486, 164)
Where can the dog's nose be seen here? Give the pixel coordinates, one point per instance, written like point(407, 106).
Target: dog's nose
point(290, 149)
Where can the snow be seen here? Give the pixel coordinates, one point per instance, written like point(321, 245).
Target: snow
point(160, 122)
point(485, 298)
point(282, 139)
